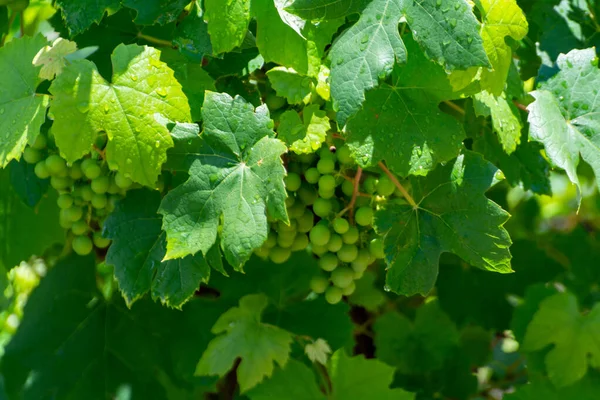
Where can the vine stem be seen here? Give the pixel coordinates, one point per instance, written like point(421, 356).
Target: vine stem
point(520, 106)
point(152, 39)
point(397, 183)
point(350, 206)
point(455, 107)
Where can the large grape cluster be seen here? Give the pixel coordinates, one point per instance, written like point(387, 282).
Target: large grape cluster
point(324, 219)
point(87, 191)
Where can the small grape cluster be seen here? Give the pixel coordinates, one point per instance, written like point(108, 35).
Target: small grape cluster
point(331, 205)
point(87, 191)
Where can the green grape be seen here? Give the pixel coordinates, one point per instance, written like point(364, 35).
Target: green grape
point(75, 171)
point(358, 275)
point(99, 241)
point(31, 155)
point(319, 250)
point(333, 295)
point(348, 188)
point(351, 236)
point(295, 168)
point(82, 245)
point(326, 194)
point(364, 216)
point(326, 166)
point(59, 183)
point(271, 240)
point(41, 171)
point(335, 205)
point(312, 175)
point(341, 225)
point(289, 201)
point(113, 188)
point(362, 260)
point(307, 195)
point(348, 290)
point(319, 235)
point(343, 155)
point(285, 241)
point(328, 262)
point(292, 227)
point(64, 201)
point(99, 201)
point(307, 158)
point(122, 181)
point(342, 277)
point(40, 142)
point(274, 102)
point(322, 207)
point(90, 168)
point(279, 255)
point(370, 185)
point(79, 227)
point(55, 164)
point(72, 214)
point(326, 154)
point(297, 210)
point(335, 243)
point(327, 183)
point(262, 252)
point(100, 185)
point(101, 141)
point(376, 248)
point(87, 193)
point(292, 182)
point(64, 221)
point(319, 284)
point(385, 186)
point(300, 242)
point(306, 221)
point(348, 253)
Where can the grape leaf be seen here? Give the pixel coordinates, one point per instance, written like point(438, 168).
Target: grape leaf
point(318, 351)
point(76, 345)
point(25, 231)
point(294, 382)
point(451, 215)
point(364, 53)
point(585, 389)
point(416, 347)
point(52, 58)
point(325, 9)
point(402, 124)
point(367, 294)
point(291, 85)
point(84, 104)
point(505, 118)
point(191, 35)
point(236, 179)
point(227, 23)
point(150, 12)
point(241, 334)
point(80, 18)
point(138, 266)
point(304, 137)
point(574, 337)
point(187, 145)
point(564, 115)
point(22, 110)
point(350, 374)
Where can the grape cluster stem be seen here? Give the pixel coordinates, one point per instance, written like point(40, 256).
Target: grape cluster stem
point(397, 183)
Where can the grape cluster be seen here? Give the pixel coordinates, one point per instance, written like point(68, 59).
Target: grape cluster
point(87, 191)
point(320, 192)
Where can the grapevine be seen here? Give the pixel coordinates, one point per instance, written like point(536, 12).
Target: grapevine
point(299, 199)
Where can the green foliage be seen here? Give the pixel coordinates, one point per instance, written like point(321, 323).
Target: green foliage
point(400, 199)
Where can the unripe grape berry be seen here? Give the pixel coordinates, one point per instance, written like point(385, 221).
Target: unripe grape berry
point(319, 250)
point(326, 166)
point(297, 210)
point(376, 248)
point(364, 216)
point(307, 158)
point(341, 225)
point(343, 155)
point(91, 169)
point(279, 255)
point(72, 214)
point(64, 201)
point(307, 195)
point(300, 242)
point(328, 262)
point(286, 241)
point(271, 240)
point(79, 227)
point(322, 207)
point(274, 102)
point(333, 295)
point(75, 171)
point(100, 185)
point(351, 236)
point(55, 164)
point(348, 253)
point(342, 277)
point(319, 235)
point(348, 290)
point(292, 182)
point(385, 186)
point(370, 185)
point(87, 193)
point(262, 252)
point(82, 245)
point(312, 175)
point(362, 260)
point(335, 243)
point(348, 188)
point(31, 155)
point(306, 221)
point(41, 171)
point(327, 183)
point(100, 242)
point(40, 142)
point(122, 181)
point(326, 154)
point(326, 194)
point(99, 201)
point(319, 284)
point(59, 183)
